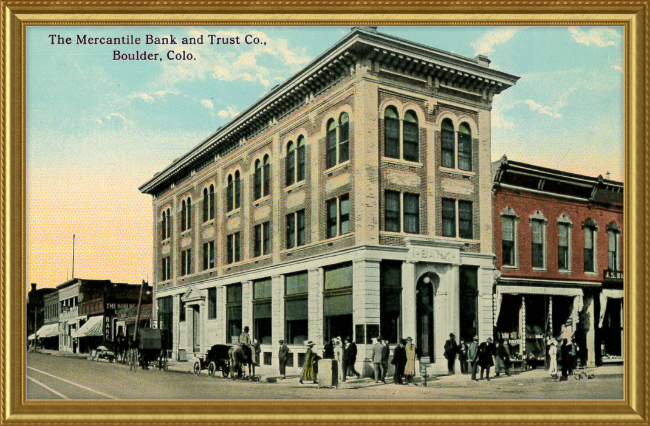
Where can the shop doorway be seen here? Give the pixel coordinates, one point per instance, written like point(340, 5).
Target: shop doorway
point(196, 328)
point(424, 298)
point(612, 330)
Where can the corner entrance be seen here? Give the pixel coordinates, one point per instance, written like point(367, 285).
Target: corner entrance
point(424, 299)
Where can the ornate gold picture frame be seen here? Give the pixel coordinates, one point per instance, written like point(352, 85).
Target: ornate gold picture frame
point(18, 15)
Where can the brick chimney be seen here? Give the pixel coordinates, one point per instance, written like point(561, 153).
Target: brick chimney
point(33, 286)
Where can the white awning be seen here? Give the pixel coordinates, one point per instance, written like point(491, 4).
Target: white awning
point(613, 294)
point(92, 327)
point(549, 291)
point(604, 295)
point(49, 330)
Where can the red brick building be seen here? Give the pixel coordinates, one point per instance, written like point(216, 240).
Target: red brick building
point(559, 247)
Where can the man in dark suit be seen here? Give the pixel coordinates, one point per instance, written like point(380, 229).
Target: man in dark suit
point(472, 356)
point(451, 349)
point(328, 349)
point(385, 354)
point(349, 358)
point(399, 361)
point(378, 359)
point(283, 356)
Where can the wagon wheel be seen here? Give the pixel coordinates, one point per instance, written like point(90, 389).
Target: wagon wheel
point(197, 368)
point(212, 369)
point(225, 369)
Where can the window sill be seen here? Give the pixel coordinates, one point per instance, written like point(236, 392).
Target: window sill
point(591, 274)
point(294, 186)
point(564, 271)
point(402, 162)
point(510, 267)
point(262, 257)
point(233, 212)
point(457, 239)
point(398, 234)
point(166, 241)
point(457, 171)
point(186, 232)
point(208, 222)
point(539, 270)
point(337, 167)
point(290, 250)
point(261, 200)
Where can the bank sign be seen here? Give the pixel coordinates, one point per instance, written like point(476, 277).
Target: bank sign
point(434, 255)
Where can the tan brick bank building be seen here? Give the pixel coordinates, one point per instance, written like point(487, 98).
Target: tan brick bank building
point(354, 199)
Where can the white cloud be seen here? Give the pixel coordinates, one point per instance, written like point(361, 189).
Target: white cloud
point(148, 99)
point(534, 106)
point(120, 116)
point(618, 68)
point(485, 44)
point(99, 121)
point(208, 104)
point(229, 112)
point(499, 121)
point(601, 36)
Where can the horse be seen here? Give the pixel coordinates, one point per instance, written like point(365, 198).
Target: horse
point(237, 358)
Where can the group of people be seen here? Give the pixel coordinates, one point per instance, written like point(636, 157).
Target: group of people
point(475, 355)
point(566, 355)
point(403, 360)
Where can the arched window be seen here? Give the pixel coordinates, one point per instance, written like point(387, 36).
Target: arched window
point(257, 180)
point(391, 128)
point(164, 226)
point(344, 138)
point(448, 144)
point(331, 143)
point(211, 197)
point(290, 164)
point(169, 224)
point(411, 137)
point(206, 205)
point(464, 147)
point(189, 214)
point(237, 190)
point(267, 176)
point(183, 215)
point(301, 159)
point(230, 193)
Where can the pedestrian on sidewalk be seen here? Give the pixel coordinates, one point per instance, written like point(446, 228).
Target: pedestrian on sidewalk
point(328, 349)
point(349, 358)
point(462, 357)
point(564, 355)
point(385, 354)
point(486, 357)
point(409, 368)
point(399, 361)
point(338, 356)
point(502, 358)
point(283, 357)
point(472, 356)
point(451, 350)
point(377, 359)
point(308, 368)
point(552, 353)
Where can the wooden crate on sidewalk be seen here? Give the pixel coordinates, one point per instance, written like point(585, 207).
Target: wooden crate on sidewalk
point(328, 373)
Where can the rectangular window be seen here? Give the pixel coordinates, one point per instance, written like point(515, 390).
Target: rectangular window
point(186, 262)
point(448, 218)
point(181, 311)
point(344, 142)
point(290, 166)
point(296, 308)
point(464, 151)
point(589, 250)
point(257, 183)
point(267, 179)
point(230, 195)
point(613, 251)
point(300, 215)
point(234, 249)
point(301, 162)
point(390, 301)
point(331, 148)
point(412, 213)
point(465, 223)
point(166, 270)
point(237, 192)
point(392, 137)
point(257, 249)
point(563, 247)
point(337, 301)
point(291, 230)
point(262, 290)
point(208, 255)
point(262, 239)
point(344, 218)
point(411, 141)
point(538, 244)
point(508, 241)
point(448, 149)
point(212, 303)
point(331, 218)
point(233, 312)
point(392, 211)
point(237, 247)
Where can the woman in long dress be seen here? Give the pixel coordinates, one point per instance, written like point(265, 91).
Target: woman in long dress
point(552, 353)
point(308, 368)
point(338, 356)
point(409, 369)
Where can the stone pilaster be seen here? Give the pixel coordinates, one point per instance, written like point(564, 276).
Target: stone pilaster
point(176, 323)
point(591, 332)
point(221, 314)
point(409, 325)
point(485, 303)
point(277, 307)
point(247, 306)
point(315, 305)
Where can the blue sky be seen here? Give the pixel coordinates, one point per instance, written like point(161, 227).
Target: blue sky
point(98, 128)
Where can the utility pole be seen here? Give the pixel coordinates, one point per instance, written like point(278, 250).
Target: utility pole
point(73, 237)
point(137, 316)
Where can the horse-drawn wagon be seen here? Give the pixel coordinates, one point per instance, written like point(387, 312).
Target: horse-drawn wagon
point(148, 348)
point(216, 359)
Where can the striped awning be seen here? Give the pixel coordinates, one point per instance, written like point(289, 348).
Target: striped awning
point(49, 330)
point(92, 327)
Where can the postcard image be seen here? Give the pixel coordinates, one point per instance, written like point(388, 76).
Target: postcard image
point(353, 213)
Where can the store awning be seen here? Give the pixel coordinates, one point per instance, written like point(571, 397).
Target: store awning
point(604, 295)
point(49, 330)
point(613, 294)
point(549, 291)
point(92, 327)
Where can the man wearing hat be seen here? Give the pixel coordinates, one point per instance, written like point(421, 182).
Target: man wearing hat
point(378, 360)
point(472, 356)
point(451, 349)
point(246, 344)
point(409, 368)
point(283, 356)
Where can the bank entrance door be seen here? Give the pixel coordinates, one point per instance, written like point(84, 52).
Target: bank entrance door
point(424, 298)
point(196, 328)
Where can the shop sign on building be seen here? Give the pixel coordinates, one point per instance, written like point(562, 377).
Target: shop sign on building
point(436, 255)
point(613, 275)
